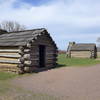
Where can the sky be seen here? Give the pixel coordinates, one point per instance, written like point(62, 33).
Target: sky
point(65, 20)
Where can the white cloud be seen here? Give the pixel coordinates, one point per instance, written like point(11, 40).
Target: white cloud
point(67, 20)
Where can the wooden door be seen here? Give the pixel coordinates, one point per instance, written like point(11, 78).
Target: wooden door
point(42, 53)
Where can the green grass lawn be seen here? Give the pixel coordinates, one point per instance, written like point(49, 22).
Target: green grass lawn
point(63, 61)
point(6, 75)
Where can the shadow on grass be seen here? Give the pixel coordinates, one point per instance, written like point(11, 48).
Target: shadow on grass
point(60, 65)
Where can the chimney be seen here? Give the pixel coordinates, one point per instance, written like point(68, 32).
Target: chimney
point(71, 44)
point(69, 48)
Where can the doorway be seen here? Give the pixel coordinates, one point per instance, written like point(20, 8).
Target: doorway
point(42, 56)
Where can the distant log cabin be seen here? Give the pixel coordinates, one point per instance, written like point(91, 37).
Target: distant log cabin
point(27, 51)
point(82, 50)
point(98, 51)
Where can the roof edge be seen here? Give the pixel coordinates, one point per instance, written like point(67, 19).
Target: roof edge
point(28, 30)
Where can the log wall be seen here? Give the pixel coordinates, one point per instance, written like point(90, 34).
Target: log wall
point(98, 54)
point(81, 54)
point(50, 53)
point(9, 59)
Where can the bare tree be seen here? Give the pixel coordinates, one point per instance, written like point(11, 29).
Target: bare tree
point(98, 41)
point(11, 26)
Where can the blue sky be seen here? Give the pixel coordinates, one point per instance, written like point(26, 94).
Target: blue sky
point(36, 2)
point(66, 20)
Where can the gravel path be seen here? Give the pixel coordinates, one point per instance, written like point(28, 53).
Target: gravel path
point(68, 83)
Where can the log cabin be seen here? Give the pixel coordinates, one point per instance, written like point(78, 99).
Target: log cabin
point(98, 51)
point(27, 51)
point(82, 50)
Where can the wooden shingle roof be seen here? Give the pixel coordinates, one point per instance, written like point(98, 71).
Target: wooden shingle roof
point(83, 47)
point(20, 38)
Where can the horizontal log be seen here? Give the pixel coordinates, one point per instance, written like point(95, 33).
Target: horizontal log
point(80, 51)
point(35, 59)
point(37, 64)
point(6, 65)
point(50, 61)
point(9, 50)
point(8, 55)
point(34, 56)
point(45, 40)
point(80, 54)
point(51, 50)
point(51, 53)
point(11, 59)
point(34, 53)
point(9, 62)
point(32, 47)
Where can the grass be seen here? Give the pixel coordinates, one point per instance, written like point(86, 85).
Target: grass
point(63, 61)
point(6, 75)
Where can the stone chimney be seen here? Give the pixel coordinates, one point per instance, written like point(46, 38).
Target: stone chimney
point(71, 44)
point(69, 48)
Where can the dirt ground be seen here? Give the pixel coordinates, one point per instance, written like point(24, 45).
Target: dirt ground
point(67, 83)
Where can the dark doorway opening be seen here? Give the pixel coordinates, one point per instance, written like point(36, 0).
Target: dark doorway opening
point(41, 56)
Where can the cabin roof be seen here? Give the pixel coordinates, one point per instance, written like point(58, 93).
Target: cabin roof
point(20, 38)
point(83, 47)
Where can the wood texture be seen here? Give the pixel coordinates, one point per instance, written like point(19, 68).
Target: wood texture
point(9, 50)
point(9, 61)
point(26, 52)
point(81, 54)
point(9, 55)
point(98, 54)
